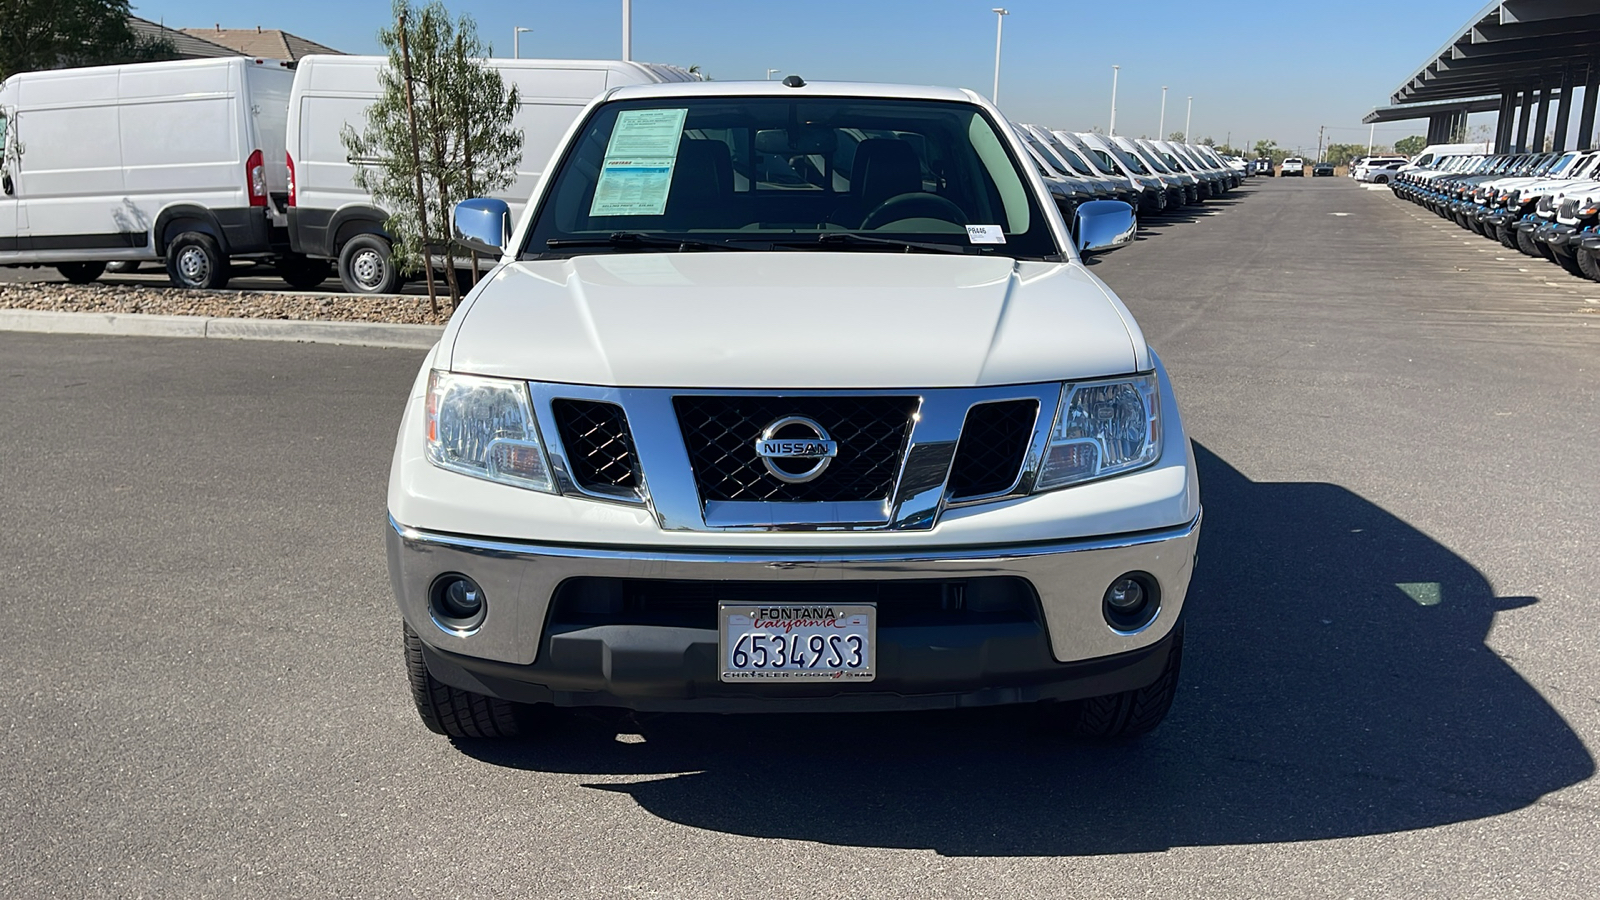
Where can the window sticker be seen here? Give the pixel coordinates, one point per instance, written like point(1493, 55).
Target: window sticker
point(644, 133)
point(636, 175)
point(986, 234)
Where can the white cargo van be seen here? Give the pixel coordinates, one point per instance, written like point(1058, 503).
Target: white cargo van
point(179, 161)
point(331, 218)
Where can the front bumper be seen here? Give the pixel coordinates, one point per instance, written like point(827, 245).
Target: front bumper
point(525, 651)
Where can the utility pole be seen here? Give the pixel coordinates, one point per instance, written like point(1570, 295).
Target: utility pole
point(1115, 71)
point(1161, 132)
point(1320, 129)
point(1000, 14)
point(627, 29)
point(1188, 120)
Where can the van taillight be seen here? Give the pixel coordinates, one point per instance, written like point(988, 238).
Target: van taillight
point(256, 176)
point(290, 160)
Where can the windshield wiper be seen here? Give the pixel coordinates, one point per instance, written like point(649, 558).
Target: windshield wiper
point(639, 239)
point(848, 237)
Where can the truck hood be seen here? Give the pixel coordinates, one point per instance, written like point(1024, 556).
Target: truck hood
point(799, 319)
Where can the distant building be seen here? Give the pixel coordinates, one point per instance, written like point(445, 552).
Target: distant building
point(207, 43)
point(266, 44)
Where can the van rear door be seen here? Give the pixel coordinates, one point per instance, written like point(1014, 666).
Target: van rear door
point(267, 84)
point(8, 188)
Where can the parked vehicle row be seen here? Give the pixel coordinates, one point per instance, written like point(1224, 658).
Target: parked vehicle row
point(1152, 176)
point(203, 164)
point(1540, 204)
point(1377, 169)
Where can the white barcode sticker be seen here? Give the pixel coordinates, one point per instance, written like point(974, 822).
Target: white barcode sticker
point(986, 234)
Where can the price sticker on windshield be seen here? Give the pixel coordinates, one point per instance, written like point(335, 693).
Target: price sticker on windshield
point(986, 234)
point(636, 174)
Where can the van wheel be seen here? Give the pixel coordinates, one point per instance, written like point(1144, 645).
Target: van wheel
point(1124, 715)
point(195, 261)
point(81, 272)
point(302, 272)
point(366, 266)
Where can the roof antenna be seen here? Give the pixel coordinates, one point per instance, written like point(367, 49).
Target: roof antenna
point(794, 81)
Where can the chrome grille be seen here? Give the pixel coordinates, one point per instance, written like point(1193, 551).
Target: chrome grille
point(720, 435)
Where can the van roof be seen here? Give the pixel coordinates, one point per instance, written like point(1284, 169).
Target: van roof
point(777, 88)
point(660, 70)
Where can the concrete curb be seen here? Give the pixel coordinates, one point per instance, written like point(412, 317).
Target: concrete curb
point(365, 334)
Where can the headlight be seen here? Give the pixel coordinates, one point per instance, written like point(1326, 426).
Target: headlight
point(1103, 428)
point(484, 427)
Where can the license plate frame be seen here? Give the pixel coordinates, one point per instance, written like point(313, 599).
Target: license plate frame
point(795, 624)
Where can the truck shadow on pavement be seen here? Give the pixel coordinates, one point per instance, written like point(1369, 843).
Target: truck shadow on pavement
point(1336, 683)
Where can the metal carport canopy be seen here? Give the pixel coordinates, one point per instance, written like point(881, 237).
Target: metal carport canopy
point(1509, 46)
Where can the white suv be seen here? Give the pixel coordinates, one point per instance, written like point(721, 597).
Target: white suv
point(1294, 165)
point(792, 397)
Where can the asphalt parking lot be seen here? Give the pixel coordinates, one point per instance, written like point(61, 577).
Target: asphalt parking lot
point(1387, 689)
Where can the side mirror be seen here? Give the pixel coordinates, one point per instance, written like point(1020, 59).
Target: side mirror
point(1103, 225)
point(484, 225)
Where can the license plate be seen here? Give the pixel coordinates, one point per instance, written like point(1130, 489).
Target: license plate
point(817, 642)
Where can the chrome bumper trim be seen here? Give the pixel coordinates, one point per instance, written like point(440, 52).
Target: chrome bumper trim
point(519, 579)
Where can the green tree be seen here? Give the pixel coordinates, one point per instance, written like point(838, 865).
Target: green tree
point(59, 34)
point(1341, 154)
point(440, 132)
point(1266, 148)
point(1176, 136)
point(1410, 146)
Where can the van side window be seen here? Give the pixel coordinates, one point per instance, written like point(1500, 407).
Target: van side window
point(5, 124)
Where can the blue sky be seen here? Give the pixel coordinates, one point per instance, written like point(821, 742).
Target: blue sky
point(1256, 70)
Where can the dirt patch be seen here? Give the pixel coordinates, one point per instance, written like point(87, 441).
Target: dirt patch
point(113, 298)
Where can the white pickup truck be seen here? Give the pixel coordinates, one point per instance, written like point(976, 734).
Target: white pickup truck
point(1294, 165)
point(792, 397)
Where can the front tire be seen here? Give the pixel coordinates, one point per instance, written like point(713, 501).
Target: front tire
point(81, 272)
point(194, 261)
point(1127, 714)
point(1527, 244)
point(1570, 263)
point(453, 712)
point(366, 266)
point(1588, 264)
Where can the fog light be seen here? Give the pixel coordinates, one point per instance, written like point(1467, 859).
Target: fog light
point(1132, 601)
point(1125, 595)
point(456, 603)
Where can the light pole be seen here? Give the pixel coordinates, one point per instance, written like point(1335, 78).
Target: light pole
point(516, 41)
point(999, 24)
point(627, 29)
point(1187, 119)
point(770, 71)
point(1161, 133)
point(1115, 71)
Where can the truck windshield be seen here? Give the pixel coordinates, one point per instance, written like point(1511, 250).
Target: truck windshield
point(741, 173)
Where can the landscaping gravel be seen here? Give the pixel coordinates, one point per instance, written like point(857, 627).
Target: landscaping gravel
point(113, 298)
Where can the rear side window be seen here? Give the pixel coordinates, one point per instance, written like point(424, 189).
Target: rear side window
point(4, 123)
